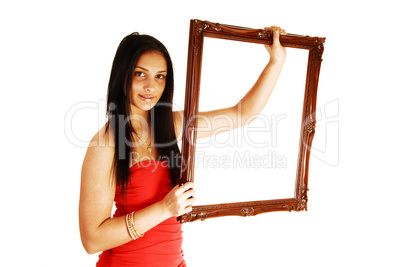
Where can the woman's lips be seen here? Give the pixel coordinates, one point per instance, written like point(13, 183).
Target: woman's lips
point(146, 98)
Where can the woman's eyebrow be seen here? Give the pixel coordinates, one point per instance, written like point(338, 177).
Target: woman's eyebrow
point(145, 69)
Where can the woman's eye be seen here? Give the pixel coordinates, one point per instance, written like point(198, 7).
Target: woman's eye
point(160, 76)
point(139, 73)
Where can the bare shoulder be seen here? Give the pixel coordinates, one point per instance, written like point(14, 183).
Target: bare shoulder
point(103, 138)
point(99, 156)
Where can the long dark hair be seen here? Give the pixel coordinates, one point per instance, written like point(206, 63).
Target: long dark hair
point(118, 108)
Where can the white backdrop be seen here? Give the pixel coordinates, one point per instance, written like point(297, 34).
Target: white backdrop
point(55, 60)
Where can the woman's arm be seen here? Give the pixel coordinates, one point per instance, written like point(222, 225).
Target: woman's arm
point(216, 121)
point(257, 97)
point(98, 230)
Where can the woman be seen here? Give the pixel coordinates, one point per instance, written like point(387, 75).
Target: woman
point(133, 159)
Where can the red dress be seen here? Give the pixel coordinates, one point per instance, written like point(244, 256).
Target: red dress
point(161, 245)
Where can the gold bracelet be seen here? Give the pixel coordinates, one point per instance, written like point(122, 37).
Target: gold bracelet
point(129, 226)
point(132, 227)
point(135, 229)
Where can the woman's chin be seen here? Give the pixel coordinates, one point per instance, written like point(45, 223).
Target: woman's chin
point(142, 107)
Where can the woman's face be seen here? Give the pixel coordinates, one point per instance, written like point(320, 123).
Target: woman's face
point(149, 80)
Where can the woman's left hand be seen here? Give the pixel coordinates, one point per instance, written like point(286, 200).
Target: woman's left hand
point(276, 51)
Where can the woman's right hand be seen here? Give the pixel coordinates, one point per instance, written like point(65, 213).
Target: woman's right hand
point(180, 199)
point(276, 51)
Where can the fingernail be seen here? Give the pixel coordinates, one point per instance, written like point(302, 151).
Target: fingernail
point(276, 30)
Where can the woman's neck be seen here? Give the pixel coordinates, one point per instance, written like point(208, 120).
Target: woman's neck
point(141, 122)
point(139, 118)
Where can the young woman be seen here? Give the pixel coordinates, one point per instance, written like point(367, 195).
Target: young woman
point(134, 159)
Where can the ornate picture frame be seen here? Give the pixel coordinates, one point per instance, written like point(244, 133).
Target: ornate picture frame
point(315, 46)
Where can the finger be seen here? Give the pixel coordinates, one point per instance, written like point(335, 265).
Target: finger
point(188, 209)
point(272, 29)
point(276, 33)
point(281, 31)
point(187, 186)
point(189, 193)
point(191, 201)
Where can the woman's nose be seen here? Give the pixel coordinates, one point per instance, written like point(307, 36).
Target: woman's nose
point(149, 85)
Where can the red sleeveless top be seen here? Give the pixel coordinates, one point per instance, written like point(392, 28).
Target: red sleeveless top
point(149, 182)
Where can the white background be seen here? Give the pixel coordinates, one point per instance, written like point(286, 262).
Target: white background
point(258, 161)
point(55, 55)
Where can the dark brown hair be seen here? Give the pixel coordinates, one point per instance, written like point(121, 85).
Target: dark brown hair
point(118, 108)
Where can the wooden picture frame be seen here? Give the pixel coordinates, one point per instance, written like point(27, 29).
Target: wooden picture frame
point(315, 45)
